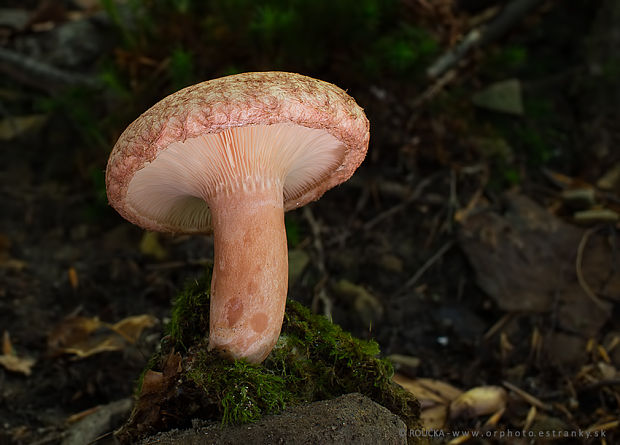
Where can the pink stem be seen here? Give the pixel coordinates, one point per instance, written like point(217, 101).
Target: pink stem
point(250, 273)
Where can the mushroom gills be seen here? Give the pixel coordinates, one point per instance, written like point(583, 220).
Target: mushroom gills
point(178, 187)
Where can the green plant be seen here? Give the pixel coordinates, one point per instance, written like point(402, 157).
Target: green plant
point(181, 68)
point(403, 51)
point(314, 359)
point(506, 60)
point(273, 34)
point(188, 322)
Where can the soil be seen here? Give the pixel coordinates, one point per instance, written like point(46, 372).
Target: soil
point(423, 250)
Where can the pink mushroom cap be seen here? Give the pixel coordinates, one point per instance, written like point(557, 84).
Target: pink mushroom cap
point(241, 100)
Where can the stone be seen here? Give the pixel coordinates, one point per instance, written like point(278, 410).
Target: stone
point(350, 419)
point(504, 97)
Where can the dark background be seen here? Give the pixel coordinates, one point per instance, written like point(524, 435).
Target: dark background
point(461, 243)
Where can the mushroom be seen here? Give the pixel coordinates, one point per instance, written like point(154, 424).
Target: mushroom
point(230, 156)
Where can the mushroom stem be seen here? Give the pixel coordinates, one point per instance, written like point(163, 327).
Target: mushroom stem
point(250, 273)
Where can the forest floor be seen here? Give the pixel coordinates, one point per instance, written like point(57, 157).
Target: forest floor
point(478, 243)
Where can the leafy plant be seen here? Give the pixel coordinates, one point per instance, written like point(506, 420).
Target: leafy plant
point(204, 39)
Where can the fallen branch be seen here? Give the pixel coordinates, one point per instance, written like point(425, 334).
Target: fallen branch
point(319, 289)
point(417, 192)
point(487, 33)
point(40, 75)
point(427, 265)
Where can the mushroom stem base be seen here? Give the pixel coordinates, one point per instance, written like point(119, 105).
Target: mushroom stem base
point(250, 272)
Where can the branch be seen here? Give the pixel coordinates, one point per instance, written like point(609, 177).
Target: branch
point(40, 75)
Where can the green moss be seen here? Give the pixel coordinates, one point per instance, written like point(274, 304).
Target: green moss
point(243, 391)
point(190, 313)
point(313, 359)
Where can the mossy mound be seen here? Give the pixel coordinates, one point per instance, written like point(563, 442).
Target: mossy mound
point(313, 360)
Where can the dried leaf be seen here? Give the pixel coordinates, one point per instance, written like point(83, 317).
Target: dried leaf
point(13, 127)
point(479, 401)
point(83, 336)
point(10, 361)
point(561, 180)
point(14, 363)
point(131, 327)
point(608, 372)
point(428, 391)
point(72, 330)
point(152, 382)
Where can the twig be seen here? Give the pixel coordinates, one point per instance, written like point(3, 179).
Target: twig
point(603, 426)
point(478, 37)
point(427, 265)
point(499, 324)
point(600, 384)
point(38, 74)
point(400, 207)
point(578, 268)
point(319, 289)
point(527, 396)
point(102, 436)
point(431, 91)
point(448, 59)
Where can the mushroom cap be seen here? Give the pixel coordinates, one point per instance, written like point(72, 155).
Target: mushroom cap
point(241, 100)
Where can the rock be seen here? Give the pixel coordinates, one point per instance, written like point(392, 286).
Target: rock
point(350, 419)
point(504, 97)
point(102, 420)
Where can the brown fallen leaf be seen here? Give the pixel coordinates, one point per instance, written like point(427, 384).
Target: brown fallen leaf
point(22, 365)
point(428, 391)
point(479, 401)
point(152, 382)
point(14, 127)
point(85, 336)
point(11, 362)
point(130, 328)
point(72, 330)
